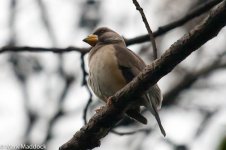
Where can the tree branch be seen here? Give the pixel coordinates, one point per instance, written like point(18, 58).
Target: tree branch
point(68, 79)
point(84, 83)
point(140, 39)
point(163, 29)
point(41, 49)
point(100, 124)
point(150, 33)
point(131, 132)
point(189, 79)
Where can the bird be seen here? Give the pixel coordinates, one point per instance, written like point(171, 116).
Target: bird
point(112, 65)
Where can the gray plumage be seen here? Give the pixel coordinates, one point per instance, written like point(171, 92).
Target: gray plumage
point(112, 65)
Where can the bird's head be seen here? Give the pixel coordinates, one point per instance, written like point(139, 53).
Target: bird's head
point(103, 35)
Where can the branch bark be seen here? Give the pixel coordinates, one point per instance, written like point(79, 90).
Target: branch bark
point(100, 124)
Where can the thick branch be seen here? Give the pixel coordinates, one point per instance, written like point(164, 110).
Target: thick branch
point(100, 124)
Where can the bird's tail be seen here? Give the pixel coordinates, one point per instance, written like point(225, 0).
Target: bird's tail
point(150, 106)
point(136, 115)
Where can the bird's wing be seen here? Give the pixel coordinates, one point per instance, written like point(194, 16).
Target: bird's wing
point(131, 65)
point(128, 62)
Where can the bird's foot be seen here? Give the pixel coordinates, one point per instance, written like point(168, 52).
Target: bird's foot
point(109, 101)
point(99, 109)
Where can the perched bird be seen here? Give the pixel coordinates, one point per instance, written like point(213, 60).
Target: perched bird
point(112, 65)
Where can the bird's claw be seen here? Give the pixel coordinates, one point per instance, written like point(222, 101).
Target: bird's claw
point(109, 101)
point(99, 109)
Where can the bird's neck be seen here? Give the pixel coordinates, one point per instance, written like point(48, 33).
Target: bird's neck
point(99, 45)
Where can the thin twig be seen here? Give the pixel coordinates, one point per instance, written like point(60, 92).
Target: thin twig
point(69, 80)
point(41, 49)
point(207, 116)
point(189, 79)
point(84, 83)
point(139, 39)
point(46, 21)
point(131, 132)
point(84, 73)
point(150, 33)
point(87, 105)
point(164, 29)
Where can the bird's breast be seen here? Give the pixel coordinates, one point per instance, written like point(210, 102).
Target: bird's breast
point(105, 77)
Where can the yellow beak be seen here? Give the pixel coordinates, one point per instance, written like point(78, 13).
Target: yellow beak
point(91, 39)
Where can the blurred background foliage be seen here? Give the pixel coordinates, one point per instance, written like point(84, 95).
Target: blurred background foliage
point(43, 95)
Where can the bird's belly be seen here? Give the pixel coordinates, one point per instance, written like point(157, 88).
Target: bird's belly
point(104, 75)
